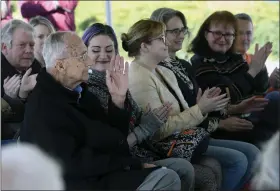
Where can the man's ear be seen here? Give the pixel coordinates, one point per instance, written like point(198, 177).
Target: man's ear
point(4, 49)
point(60, 65)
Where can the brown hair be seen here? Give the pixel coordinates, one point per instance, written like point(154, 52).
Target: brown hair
point(165, 14)
point(199, 44)
point(142, 31)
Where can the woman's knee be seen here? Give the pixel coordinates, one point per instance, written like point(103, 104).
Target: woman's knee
point(170, 180)
point(161, 179)
point(251, 152)
point(185, 168)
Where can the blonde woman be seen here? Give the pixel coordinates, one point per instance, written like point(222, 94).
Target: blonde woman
point(42, 29)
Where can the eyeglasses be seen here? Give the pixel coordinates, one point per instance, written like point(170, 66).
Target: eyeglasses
point(177, 31)
point(219, 34)
point(161, 38)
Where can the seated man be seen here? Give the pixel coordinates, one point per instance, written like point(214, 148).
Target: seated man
point(243, 42)
point(68, 122)
point(18, 72)
point(268, 117)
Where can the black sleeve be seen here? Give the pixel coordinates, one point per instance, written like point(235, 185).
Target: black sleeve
point(119, 118)
point(59, 139)
point(115, 117)
point(17, 107)
point(261, 81)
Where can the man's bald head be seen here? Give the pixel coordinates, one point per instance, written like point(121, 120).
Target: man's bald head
point(61, 45)
point(66, 58)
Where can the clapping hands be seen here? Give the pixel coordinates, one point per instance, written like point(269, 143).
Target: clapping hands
point(211, 101)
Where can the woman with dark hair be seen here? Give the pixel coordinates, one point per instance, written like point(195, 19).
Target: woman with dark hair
point(225, 151)
point(217, 65)
point(102, 47)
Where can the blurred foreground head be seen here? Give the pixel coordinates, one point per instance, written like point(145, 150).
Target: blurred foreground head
point(25, 167)
point(267, 176)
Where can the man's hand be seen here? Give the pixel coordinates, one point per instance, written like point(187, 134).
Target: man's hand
point(11, 86)
point(28, 82)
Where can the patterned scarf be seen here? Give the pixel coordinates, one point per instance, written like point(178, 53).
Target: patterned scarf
point(97, 86)
point(175, 65)
point(177, 68)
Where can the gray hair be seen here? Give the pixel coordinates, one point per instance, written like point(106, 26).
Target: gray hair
point(9, 29)
point(243, 16)
point(267, 177)
point(39, 20)
point(165, 14)
point(53, 48)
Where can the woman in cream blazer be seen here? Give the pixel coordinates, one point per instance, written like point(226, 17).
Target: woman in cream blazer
point(147, 87)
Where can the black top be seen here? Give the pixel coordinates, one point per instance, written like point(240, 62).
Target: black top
point(229, 71)
point(8, 70)
point(17, 106)
point(90, 143)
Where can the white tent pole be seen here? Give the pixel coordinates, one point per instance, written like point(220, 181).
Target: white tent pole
point(108, 12)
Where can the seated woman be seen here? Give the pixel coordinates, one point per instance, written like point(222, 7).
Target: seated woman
point(182, 135)
point(216, 65)
point(102, 47)
point(42, 29)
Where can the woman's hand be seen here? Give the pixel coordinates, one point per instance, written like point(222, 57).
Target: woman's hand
point(235, 124)
point(208, 104)
point(248, 105)
point(151, 121)
point(162, 112)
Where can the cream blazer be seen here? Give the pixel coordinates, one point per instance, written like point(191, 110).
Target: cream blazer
point(145, 87)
